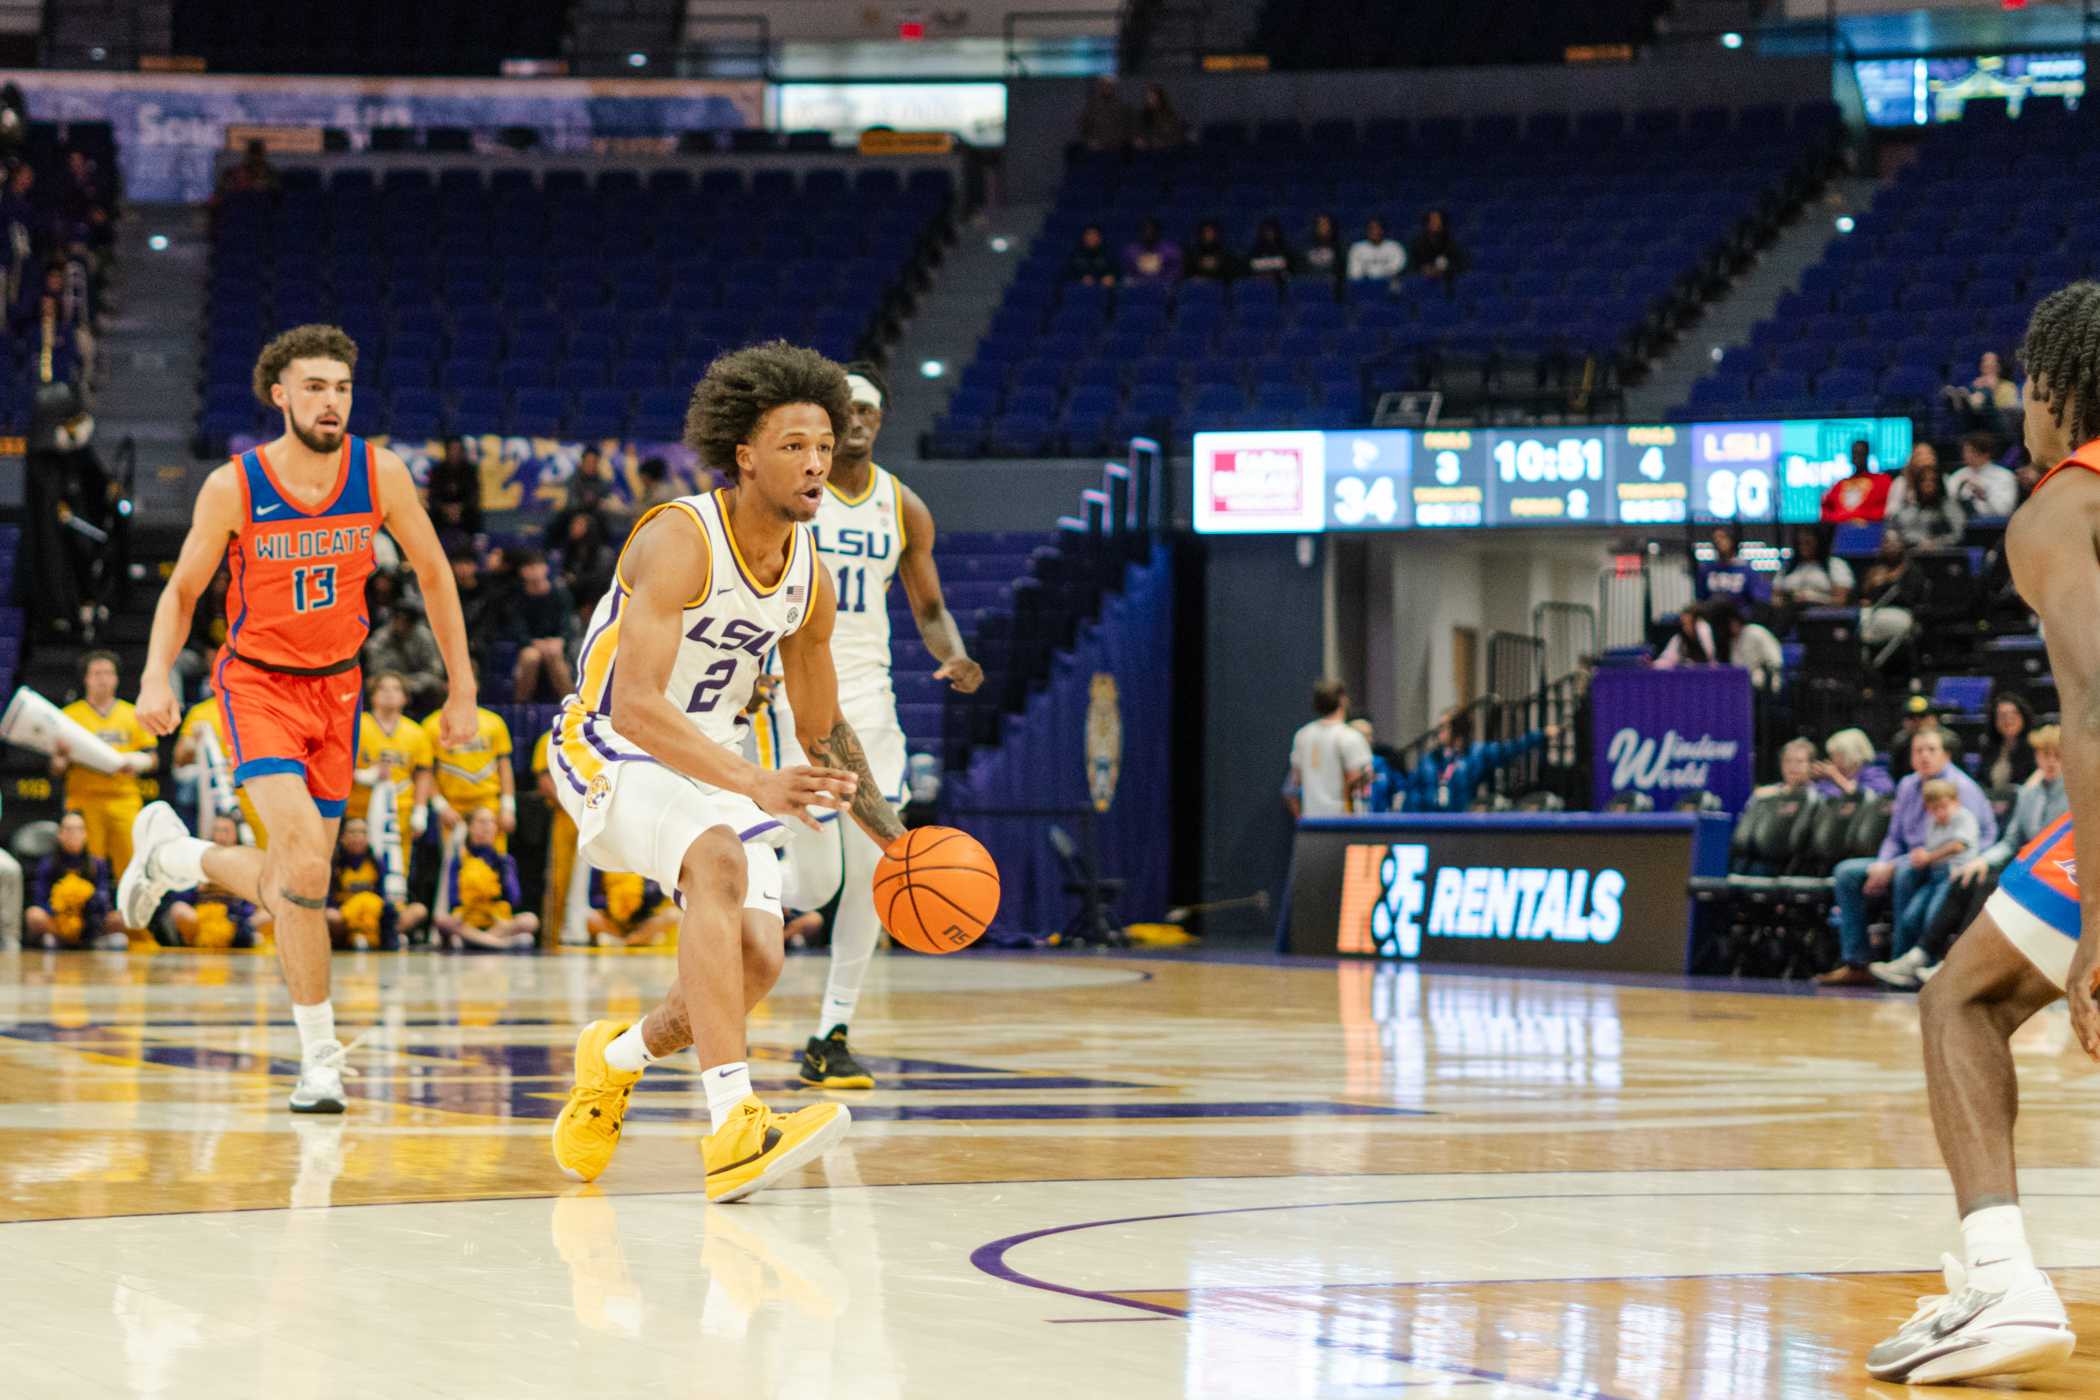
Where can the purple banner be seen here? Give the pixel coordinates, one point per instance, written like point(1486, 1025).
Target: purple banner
point(1673, 734)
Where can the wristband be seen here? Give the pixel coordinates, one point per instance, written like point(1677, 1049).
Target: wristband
point(508, 805)
point(438, 801)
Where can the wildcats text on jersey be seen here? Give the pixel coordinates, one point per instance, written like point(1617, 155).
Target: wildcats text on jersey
point(312, 544)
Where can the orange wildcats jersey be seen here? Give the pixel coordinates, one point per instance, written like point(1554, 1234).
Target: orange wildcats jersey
point(2087, 456)
point(296, 602)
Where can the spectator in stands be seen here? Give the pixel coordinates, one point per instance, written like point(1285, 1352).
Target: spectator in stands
point(1385, 773)
point(70, 895)
point(1330, 762)
point(1927, 517)
point(1797, 764)
point(14, 122)
point(1270, 256)
point(1374, 257)
point(253, 175)
point(359, 913)
point(1891, 593)
point(587, 557)
point(539, 617)
point(404, 645)
point(1105, 123)
point(1922, 454)
point(455, 490)
point(1435, 254)
point(1090, 263)
point(478, 602)
point(2027, 475)
point(657, 487)
point(1980, 486)
point(592, 491)
point(1693, 644)
point(1990, 398)
point(1324, 257)
point(1209, 259)
point(2008, 756)
point(2040, 804)
point(629, 911)
point(1158, 127)
point(208, 916)
point(1447, 761)
point(1850, 767)
point(1862, 882)
point(1727, 576)
point(81, 190)
point(1815, 580)
point(1750, 645)
point(484, 914)
point(21, 220)
point(1152, 256)
point(1952, 835)
point(1917, 718)
point(1861, 497)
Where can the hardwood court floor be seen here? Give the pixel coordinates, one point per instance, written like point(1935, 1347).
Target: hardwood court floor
point(1080, 1177)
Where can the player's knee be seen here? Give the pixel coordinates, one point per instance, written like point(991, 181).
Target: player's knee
point(714, 867)
point(764, 956)
point(302, 870)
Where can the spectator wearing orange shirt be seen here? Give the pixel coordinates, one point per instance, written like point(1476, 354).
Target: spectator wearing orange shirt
point(1862, 497)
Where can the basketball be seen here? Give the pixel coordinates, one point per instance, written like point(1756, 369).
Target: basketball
point(936, 889)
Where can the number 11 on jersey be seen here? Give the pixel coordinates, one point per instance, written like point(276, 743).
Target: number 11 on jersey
point(853, 588)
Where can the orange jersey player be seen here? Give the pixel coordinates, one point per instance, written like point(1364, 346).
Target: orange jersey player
point(295, 521)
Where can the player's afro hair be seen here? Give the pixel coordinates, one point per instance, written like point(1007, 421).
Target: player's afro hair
point(743, 386)
point(2062, 356)
point(311, 342)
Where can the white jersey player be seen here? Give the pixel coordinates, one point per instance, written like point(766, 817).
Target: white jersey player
point(870, 529)
point(644, 753)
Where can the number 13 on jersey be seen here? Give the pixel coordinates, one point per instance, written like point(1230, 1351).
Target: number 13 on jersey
point(313, 587)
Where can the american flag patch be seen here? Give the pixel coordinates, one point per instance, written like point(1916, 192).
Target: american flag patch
point(795, 592)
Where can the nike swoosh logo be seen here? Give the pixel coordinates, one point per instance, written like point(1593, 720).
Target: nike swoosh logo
point(1952, 1320)
point(264, 510)
point(772, 1141)
point(720, 591)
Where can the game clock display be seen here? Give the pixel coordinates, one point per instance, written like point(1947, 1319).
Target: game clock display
point(1299, 482)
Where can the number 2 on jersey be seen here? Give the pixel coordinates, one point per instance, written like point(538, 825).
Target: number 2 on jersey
point(313, 587)
point(853, 589)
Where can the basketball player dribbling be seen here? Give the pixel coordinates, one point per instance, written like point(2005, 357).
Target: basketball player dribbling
point(2038, 937)
point(294, 520)
point(644, 753)
point(871, 528)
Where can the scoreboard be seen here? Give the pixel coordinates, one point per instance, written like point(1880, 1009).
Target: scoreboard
point(1296, 482)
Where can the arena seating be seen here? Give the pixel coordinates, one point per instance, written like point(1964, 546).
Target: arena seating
point(1944, 266)
point(48, 225)
point(1582, 240)
point(575, 306)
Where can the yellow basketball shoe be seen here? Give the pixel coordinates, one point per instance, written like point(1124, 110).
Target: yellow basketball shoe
point(588, 1128)
point(758, 1146)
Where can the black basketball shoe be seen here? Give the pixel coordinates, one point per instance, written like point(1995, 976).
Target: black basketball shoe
point(829, 1064)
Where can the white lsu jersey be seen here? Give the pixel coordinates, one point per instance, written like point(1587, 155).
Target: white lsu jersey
point(861, 542)
point(730, 627)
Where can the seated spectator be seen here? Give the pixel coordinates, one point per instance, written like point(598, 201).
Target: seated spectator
point(1693, 645)
point(484, 914)
point(359, 913)
point(2041, 803)
point(1158, 127)
point(1861, 498)
point(1104, 125)
point(1750, 645)
point(1324, 257)
point(628, 911)
point(1917, 718)
point(538, 618)
point(253, 175)
point(1814, 580)
point(405, 646)
point(1990, 398)
point(1927, 517)
point(1980, 486)
point(2027, 475)
point(1952, 833)
point(480, 605)
point(208, 916)
point(1922, 454)
point(657, 487)
point(1209, 259)
point(1726, 576)
point(1850, 767)
point(455, 490)
point(1090, 262)
point(1152, 257)
point(1797, 763)
point(587, 558)
point(1374, 257)
point(71, 900)
point(2008, 756)
point(1434, 253)
point(592, 491)
point(1270, 256)
point(1891, 593)
point(1862, 882)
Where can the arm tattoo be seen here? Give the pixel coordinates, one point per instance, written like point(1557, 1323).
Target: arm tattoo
point(841, 749)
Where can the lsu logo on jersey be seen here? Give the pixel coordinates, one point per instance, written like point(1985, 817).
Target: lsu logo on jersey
point(855, 544)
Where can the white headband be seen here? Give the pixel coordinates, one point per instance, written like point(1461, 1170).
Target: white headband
point(863, 390)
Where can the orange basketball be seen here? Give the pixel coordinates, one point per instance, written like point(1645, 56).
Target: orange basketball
point(936, 889)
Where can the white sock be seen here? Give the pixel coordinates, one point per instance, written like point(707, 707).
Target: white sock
point(627, 1052)
point(727, 1086)
point(854, 932)
point(182, 860)
point(838, 1010)
point(316, 1024)
point(1994, 1246)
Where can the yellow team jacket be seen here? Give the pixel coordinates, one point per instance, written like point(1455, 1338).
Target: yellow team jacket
point(402, 752)
point(121, 730)
point(469, 777)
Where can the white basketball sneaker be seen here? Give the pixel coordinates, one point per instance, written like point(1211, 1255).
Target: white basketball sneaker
point(1969, 1332)
point(320, 1087)
point(139, 889)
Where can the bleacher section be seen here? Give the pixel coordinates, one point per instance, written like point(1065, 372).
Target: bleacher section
point(1585, 240)
point(575, 305)
point(50, 223)
point(1946, 264)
